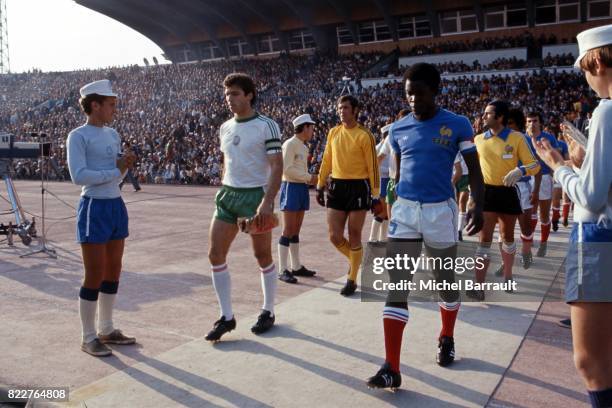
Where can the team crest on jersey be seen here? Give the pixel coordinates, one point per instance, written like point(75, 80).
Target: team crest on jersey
point(445, 136)
point(509, 149)
point(446, 132)
point(236, 140)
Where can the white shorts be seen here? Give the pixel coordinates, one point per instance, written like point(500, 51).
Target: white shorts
point(546, 187)
point(435, 223)
point(524, 193)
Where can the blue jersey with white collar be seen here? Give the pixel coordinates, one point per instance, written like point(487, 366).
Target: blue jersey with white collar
point(428, 150)
point(553, 142)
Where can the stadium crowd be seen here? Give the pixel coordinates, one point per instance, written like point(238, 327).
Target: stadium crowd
point(170, 114)
point(482, 44)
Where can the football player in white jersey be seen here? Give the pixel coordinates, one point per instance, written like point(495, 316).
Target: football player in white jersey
point(252, 170)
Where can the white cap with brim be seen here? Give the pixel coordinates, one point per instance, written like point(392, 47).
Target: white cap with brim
point(300, 120)
point(592, 38)
point(102, 87)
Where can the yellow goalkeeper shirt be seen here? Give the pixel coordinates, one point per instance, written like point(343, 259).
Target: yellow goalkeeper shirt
point(350, 154)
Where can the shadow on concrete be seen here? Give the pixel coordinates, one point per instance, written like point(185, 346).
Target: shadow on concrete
point(135, 288)
point(176, 393)
point(357, 384)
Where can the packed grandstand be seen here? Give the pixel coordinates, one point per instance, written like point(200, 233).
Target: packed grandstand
point(170, 114)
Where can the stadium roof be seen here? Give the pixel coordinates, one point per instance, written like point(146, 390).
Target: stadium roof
point(176, 24)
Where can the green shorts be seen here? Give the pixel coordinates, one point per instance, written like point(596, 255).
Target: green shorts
point(232, 202)
point(463, 184)
point(391, 192)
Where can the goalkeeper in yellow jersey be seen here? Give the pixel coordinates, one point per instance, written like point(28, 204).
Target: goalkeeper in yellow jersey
point(349, 173)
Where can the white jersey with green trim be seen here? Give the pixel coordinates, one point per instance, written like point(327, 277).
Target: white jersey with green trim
point(246, 144)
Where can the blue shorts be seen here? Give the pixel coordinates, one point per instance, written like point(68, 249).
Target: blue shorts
point(383, 187)
point(100, 220)
point(294, 197)
point(588, 277)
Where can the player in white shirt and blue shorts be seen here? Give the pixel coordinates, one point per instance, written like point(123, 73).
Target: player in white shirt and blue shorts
point(295, 199)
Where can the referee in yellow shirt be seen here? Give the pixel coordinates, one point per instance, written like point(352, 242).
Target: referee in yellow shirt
point(500, 150)
point(350, 159)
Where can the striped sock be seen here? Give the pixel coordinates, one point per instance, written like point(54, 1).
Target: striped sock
point(394, 322)
point(448, 313)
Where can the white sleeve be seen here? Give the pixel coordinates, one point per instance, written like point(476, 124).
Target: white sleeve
point(273, 139)
point(590, 186)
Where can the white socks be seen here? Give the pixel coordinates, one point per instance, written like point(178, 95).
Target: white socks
point(289, 246)
point(223, 289)
point(294, 249)
point(268, 286)
point(375, 231)
point(88, 300)
point(105, 312)
point(87, 311)
point(283, 253)
point(384, 230)
point(106, 300)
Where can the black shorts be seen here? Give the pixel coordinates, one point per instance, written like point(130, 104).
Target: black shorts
point(349, 195)
point(502, 199)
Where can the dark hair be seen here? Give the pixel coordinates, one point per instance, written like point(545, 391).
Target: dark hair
point(402, 113)
point(86, 102)
point(242, 81)
point(425, 72)
point(587, 63)
point(501, 109)
point(533, 114)
point(352, 100)
point(300, 128)
point(518, 117)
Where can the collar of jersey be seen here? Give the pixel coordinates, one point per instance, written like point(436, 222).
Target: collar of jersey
point(247, 119)
point(503, 135)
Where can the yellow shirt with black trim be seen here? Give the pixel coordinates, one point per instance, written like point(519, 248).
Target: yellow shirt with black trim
point(499, 154)
point(350, 154)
